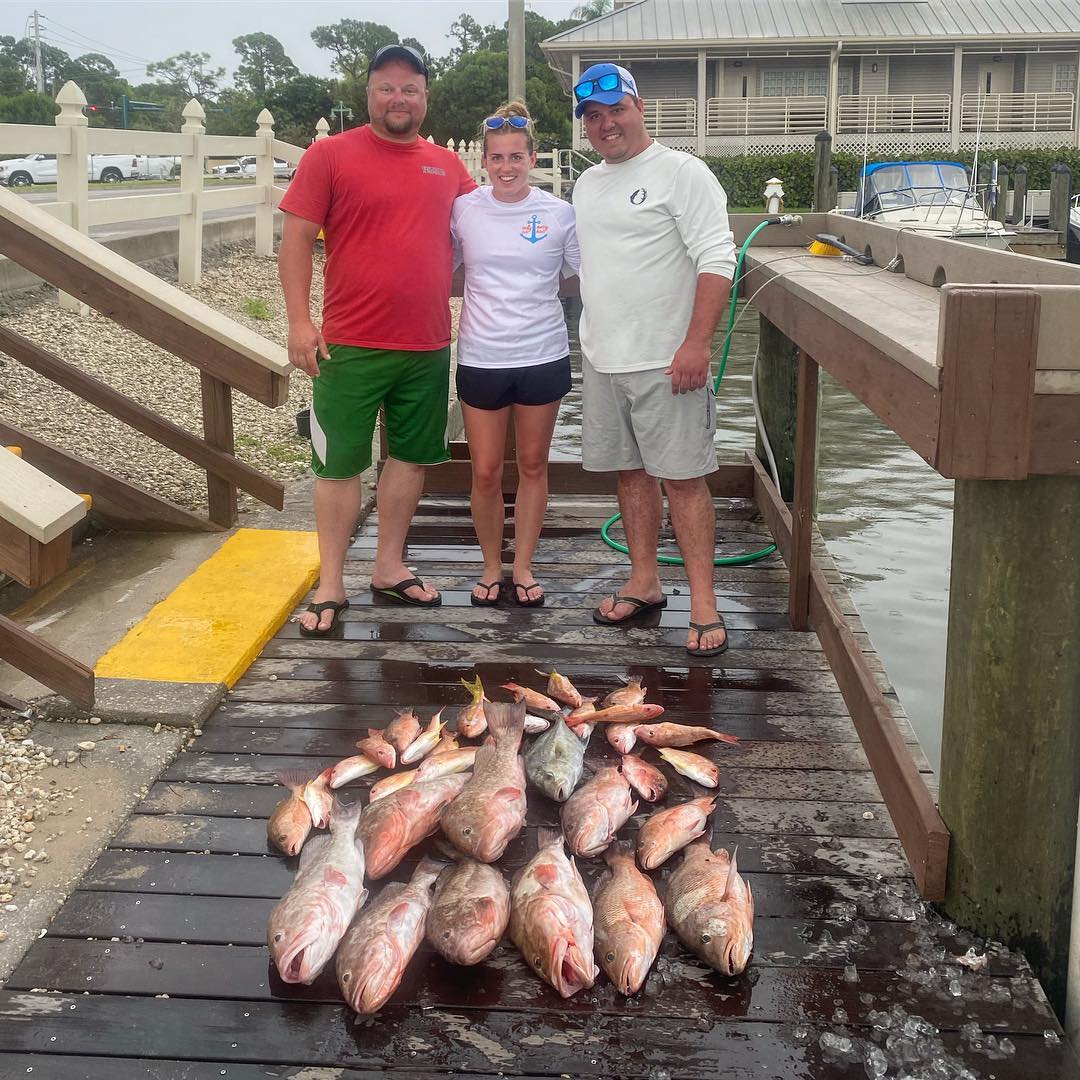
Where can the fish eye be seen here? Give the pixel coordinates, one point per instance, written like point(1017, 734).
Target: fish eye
point(706, 938)
point(278, 936)
point(610, 958)
point(446, 935)
point(536, 961)
point(346, 976)
point(467, 831)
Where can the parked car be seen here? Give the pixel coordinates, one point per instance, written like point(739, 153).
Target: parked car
point(245, 166)
point(161, 167)
point(41, 169)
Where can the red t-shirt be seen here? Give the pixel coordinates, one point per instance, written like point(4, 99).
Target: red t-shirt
point(385, 212)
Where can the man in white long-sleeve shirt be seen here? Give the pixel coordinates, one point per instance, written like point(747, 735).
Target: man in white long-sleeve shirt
point(657, 258)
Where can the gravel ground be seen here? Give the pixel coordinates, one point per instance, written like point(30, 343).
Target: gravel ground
point(238, 284)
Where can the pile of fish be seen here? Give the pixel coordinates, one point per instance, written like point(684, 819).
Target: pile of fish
point(476, 796)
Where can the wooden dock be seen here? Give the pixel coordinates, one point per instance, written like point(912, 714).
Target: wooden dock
point(157, 967)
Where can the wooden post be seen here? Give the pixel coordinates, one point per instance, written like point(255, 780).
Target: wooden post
point(822, 164)
point(264, 178)
point(1010, 755)
point(71, 172)
point(1060, 197)
point(834, 187)
point(1019, 194)
point(575, 124)
point(189, 269)
point(777, 391)
point(702, 102)
point(1002, 195)
point(982, 187)
point(515, 48)
point(802, 511)
point(218, 432)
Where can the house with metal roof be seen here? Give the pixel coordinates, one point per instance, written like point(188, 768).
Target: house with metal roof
point(727, 77)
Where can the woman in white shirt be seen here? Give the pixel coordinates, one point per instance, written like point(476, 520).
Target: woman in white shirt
point(513, 359)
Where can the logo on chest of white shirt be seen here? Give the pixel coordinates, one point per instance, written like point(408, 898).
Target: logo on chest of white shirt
point(534, 230)
point(639, 196)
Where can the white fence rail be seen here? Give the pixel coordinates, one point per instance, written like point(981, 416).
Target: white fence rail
point(765, 115)
point(671, 116)
point(893, 112)
point(72, 141)
point(1017, 112)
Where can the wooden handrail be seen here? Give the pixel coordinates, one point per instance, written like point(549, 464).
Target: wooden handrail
point(216, 462)
point(47, 664)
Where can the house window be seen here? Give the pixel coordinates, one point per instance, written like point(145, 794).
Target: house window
point(845, 86)
point(1064, 78)
point(817, 83)
point(794, 82)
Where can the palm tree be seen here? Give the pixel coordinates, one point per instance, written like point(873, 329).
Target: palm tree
point(591, 9)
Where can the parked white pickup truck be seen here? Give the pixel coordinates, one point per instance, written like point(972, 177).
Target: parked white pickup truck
point(41, 169)
point(245, 166)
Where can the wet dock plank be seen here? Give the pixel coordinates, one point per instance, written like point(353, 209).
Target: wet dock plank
point(157, 967)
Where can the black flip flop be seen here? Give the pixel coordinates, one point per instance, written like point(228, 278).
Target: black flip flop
point(317, 610)
point(537, 601)
point(487, 586)
point(397, 592)
point(704, 628)
point(642, 607)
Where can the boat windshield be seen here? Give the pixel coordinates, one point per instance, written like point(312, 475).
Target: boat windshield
point(904, 184)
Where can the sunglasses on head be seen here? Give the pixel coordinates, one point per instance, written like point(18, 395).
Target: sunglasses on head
point(612, 80)
point(496, 122)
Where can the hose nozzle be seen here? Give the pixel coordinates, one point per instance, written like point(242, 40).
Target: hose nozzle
point(790, 219)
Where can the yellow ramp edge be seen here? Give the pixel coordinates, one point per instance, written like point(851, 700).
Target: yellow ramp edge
point(215, 623)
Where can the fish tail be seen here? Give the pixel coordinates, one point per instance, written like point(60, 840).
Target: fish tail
point(547, 836)
point(507, 723)
point(294, 779)
point(546, 674)
point(344, 817)
point(475, 687)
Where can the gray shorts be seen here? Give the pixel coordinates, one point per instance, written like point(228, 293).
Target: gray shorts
point(632, 420)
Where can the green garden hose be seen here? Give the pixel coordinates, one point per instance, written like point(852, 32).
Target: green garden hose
point(731, 560)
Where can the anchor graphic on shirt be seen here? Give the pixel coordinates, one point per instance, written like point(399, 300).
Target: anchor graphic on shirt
point(533, 231)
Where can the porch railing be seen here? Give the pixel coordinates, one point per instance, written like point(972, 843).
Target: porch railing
point(893, 112)
point(671, 116)
point(1017, 112)
point(766, 115)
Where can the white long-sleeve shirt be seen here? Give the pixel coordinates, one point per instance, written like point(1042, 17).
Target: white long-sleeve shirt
point(647, 228)
point(514, 254)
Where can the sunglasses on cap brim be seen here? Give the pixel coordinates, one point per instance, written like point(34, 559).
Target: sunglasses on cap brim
point(493, 123)
point(611, 81)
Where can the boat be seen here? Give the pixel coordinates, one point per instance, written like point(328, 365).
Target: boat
point(935, 198)
point(1074, 218)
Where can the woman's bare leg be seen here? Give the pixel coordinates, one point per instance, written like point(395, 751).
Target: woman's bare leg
point(485, 430)
point(533, 427)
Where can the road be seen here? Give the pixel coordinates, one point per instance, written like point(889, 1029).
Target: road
point(141, 225)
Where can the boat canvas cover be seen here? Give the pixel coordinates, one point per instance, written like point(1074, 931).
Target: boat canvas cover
point(888, 185)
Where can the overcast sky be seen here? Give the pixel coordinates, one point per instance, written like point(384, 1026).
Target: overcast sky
point(133, 33)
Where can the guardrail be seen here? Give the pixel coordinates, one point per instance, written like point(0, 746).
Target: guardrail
point(765, 115)
point(671, 116)
point(1017, 112)
point(894, 112)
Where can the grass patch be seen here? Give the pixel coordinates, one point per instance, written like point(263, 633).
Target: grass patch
point(257, 308)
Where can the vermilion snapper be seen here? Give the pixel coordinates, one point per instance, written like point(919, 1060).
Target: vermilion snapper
point(425, 742)
point(621, 736)
point(624, 714)
point(403, 729)
point(378, 749)
point(633, 693)
point(647, 780)
point(596, 812)
point(667, 831)
point(290, 823)
point(471, 722)
point(352, 768)
point(318, 798)
point(680, 735)
point(562, 689)
point(533, 698)
point(389, 784)
point(447, 763)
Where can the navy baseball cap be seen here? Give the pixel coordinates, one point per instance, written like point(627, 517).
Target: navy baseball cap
point(399, 52)
point(606, 83)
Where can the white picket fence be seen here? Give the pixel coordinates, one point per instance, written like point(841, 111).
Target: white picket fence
point(71, 139)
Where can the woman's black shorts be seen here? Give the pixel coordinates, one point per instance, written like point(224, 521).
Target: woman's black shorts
point(495, 388)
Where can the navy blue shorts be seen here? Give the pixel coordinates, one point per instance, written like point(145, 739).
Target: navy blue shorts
point(496, 388)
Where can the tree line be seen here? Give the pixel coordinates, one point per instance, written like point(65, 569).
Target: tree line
point(466, 84)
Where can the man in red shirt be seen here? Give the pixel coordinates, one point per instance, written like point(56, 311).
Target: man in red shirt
point(382, 197)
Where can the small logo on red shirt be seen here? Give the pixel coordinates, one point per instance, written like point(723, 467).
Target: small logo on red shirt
point(434, 170)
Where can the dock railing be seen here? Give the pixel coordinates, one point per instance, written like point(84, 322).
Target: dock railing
point(969, 356)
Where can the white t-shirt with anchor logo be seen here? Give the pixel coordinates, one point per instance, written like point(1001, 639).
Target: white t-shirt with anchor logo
point(647, 227)
point(514, 254)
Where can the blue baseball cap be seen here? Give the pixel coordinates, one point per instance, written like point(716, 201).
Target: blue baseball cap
point(606, 83)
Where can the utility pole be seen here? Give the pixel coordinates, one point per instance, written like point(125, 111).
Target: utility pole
point(515, 40)
point(342, 111)
point(39, 73)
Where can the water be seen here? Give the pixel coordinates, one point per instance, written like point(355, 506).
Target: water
point(886, 515)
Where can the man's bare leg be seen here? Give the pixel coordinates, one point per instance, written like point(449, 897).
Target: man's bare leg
point(694, 518)
point(337, 509)
point(399, 491)
point(640, 505)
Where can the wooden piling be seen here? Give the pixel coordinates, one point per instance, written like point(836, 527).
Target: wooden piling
point(1060, 197)
point(1002, 196)
point(1010, 758)
point(778, 393)
point(1020, 178)
point(822, 165)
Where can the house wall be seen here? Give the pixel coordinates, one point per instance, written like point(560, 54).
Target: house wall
point(1040, 71)
point(920, 75)
point(973, 63)
point(874, 82)
point(665, 78)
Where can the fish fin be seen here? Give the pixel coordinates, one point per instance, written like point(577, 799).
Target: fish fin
point(506, 723)
point(294, 779)
point(546, 674)
point(724, 737)
point(475, 687)
point(313, 848)
point(546, 836)
point(395, 920)
point(344, 816)
point(510, 794)
point(323, 778)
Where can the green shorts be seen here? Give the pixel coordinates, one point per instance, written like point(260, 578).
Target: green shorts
point(413, 387)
